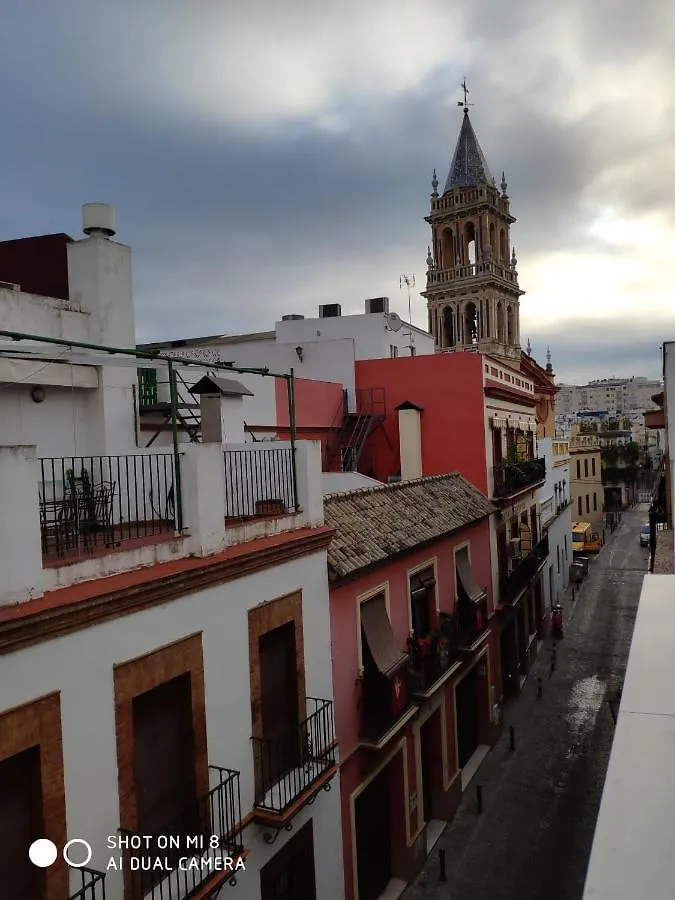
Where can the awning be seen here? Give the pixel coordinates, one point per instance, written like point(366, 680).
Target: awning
point(422, 581)
point(388, 657)
point(466, 579)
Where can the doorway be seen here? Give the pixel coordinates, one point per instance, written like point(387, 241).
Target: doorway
point(431, 758)
point(278, 704)
point(21, 823)
point(468, 723)
point(290, 874)
point(372, 810)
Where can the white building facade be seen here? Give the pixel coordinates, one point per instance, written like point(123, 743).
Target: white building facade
point(166, 688)
point(555, 516)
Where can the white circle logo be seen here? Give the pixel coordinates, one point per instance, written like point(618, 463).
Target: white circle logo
point(71, 862)
point(42, 853)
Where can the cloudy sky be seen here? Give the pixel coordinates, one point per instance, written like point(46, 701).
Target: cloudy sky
point(266, 157)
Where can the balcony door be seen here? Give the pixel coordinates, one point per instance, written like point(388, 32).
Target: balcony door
point(466, 700)
point(164, 759)
point(20, 824)
point(279, 703)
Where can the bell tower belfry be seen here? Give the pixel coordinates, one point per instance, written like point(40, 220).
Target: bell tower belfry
point(472, 291)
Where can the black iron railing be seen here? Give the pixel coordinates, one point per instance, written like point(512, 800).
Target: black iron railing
point(432, 656)
point(523, 572)
point(91, 884)
point(286, 767)
point(103, 501)
point(163, 870)
point(384, 701)
point(259, 481)
point(472, 619)
point(511, 477)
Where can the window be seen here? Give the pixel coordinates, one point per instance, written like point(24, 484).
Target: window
point(595, 502)
point(586, 468)
point(579, 471)
point(581, 511)
point(422, 603)
point(588, 504)
point(393, 351)
point(21, 823)
point(565, 548)
point(593, 465)
point(558, 555)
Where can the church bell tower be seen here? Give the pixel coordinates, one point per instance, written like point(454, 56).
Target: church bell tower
point(472, 291)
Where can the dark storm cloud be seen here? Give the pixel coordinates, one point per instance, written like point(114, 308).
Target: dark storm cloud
point(235, 222)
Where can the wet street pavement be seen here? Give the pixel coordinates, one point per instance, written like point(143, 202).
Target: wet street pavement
point(540, 801)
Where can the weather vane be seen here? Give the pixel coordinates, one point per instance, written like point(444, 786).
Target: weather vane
point(466, 103)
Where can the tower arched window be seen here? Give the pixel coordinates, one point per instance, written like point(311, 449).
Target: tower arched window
point(503, 252)
point(447, 249)
point(471, 324)
point(470, 244)
point(510, 325)
point(501, 324)
point(493, 238)
point(448, 328)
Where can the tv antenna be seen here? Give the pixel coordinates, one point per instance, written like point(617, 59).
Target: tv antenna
point(409, 282)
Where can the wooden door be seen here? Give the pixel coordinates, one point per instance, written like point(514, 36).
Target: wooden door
point(279, 703)
point(20, 825)
point(429, 750)
point(373, 837)
point(164, 759)
point(290, 874)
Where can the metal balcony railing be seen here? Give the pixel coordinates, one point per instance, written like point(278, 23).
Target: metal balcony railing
point(90, 502)
point(512, 477)
point(260, 481)
point(523, 572)
point(432, 656)
point(92, 884)
point(190, 836)
point(287, 767)
point(383, 702)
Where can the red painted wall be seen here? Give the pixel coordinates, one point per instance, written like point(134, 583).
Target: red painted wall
point(344, 637)
point(449, 387)
point(316, 403)
point(39, 264)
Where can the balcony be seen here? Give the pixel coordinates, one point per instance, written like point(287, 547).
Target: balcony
point(472, 621)
point(385, 706)
point(99, 504)
point(189, 839)
point(91, 884)
point(561, 506)
point(260, 480)
point(482, 269)
point(290, 771)
point(434, 658)
point(514, 477)
point(524, 571)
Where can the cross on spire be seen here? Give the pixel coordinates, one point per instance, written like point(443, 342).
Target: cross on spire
point(466, 103)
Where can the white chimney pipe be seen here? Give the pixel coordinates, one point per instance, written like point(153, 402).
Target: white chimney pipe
point(98, 220)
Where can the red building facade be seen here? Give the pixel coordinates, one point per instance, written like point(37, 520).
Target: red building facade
point(415, 667)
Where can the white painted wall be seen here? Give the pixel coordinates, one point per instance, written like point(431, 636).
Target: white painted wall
point(556, 572)
point(80, 666)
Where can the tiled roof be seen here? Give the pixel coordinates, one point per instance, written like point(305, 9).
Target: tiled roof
point(374, 524)
point(468, 164)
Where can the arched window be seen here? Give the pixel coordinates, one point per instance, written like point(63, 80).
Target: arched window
point(447, 249)
point(579, 471)
point(470, 244)
point(581, 511)
point(501, 324)
point(493, 238)
point(470, 324)
point(448, 328)
point(503, 251)
point(510, 325)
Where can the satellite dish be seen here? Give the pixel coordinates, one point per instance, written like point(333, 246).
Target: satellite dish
point(393, 321)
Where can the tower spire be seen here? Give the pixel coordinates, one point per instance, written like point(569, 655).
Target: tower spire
point(466, 103)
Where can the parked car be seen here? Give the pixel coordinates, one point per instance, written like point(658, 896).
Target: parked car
point(644, 535)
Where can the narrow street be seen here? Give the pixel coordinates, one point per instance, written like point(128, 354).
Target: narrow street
point(540, 801)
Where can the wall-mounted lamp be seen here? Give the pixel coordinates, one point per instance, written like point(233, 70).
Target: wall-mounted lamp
point(299, 353)
point(37, 395)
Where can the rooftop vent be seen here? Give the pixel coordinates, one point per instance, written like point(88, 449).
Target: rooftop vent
point(98, 219)
point(377, 305)
point(292, 317)
point(330, 311)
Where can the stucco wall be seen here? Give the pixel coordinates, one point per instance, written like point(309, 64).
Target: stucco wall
point(80, 666)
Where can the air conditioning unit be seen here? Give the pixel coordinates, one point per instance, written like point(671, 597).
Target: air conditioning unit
point(330, 311)
point(292, 317)
point(514, 548)
point(377, 305)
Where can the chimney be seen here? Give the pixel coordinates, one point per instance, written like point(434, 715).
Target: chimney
point(98, 219)
point(410, 439)
point(221, 403)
